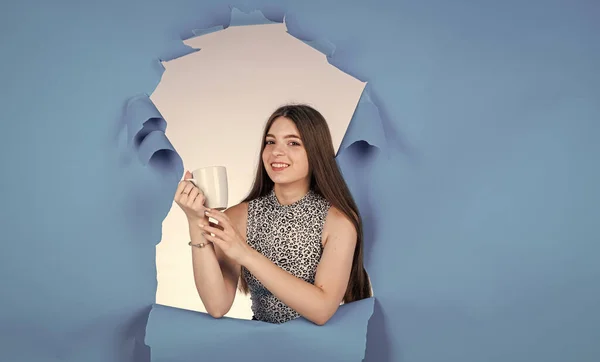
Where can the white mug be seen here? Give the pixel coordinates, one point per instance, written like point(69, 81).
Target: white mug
point(213, 183)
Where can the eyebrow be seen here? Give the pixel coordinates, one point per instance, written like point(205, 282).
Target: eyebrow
point(286, 136)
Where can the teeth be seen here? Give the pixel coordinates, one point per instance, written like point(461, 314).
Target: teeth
point(278, 165)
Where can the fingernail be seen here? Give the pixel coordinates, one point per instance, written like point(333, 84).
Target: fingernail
point(207, 212)
point(202, 225)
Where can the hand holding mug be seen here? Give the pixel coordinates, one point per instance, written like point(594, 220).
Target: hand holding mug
point(226, 237)
point(190, 199)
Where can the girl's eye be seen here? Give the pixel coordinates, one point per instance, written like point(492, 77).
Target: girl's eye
point(292, 143)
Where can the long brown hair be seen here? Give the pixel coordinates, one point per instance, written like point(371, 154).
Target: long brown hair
point(326, 180)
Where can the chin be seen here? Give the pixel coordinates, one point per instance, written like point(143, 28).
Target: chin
point(281, 179)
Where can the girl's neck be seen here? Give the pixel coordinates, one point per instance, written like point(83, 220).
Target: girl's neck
point(288, 194)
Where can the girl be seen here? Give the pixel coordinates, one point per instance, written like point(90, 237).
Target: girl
point(295, 243)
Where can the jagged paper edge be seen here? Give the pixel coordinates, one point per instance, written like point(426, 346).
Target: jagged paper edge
point(239, 18)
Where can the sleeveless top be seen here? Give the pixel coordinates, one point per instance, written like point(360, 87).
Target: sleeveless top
point(289, 236)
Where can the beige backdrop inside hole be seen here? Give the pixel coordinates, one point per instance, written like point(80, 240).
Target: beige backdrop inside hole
point(215, 102)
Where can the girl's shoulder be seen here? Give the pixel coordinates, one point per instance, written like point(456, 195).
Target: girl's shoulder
point(336, 224)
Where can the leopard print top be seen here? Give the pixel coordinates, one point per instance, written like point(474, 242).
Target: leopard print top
point(290, 236)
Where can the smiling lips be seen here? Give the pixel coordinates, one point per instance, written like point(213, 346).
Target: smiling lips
point(278, 166)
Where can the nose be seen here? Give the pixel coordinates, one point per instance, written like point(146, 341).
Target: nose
point(277, 150)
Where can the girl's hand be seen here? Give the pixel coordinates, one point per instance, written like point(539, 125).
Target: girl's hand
point(191, 200)
point(226, 237)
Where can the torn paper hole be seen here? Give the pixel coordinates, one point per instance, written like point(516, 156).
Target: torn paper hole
point(216, 102)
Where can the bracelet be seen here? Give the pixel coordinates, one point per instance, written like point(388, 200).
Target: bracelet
point(199, 245)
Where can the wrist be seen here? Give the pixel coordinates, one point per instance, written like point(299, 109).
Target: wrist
point(195, 231)
point(195, 221)
point(247, 257)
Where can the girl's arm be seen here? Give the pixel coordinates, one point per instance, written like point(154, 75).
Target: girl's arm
point(318, 302)
point(215, 275)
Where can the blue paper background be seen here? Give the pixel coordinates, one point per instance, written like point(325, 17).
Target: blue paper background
point(485, 243)
point(180, 335)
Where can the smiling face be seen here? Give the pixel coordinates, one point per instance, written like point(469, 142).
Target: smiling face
point(284, 155)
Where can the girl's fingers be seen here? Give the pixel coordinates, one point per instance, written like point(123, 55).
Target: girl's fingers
point(215, 240)
point(215, 225)
point(212, 230)
point(219, 216)
point(192, 197)
point(180, 188)
point(188, 187)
